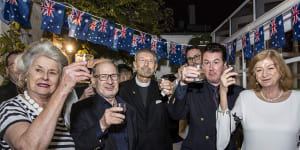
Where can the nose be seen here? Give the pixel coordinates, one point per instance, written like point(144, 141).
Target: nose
point(265, 73)
point(210, 66)
point(45, 76)
point(109, 80)
point(146, 63)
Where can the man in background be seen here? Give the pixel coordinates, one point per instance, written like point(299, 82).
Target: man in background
point(125, 72)
point(10, 89)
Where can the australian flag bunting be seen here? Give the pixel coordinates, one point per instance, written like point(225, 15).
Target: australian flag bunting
point(159, 50)
point(183, 54)
point(115, 39)
point(144, 40)
point(233, 50)
point(175, 54)
point(247, 46)
point(259, 40)
point(228, 51)
point(79, 22)
point(2, 5)
point(52, 16)
point(92, 35)
point(296, 22)
point(134, 46)
point(17, 10)
point(106, 32)
point(125, 38)
point(277, 32)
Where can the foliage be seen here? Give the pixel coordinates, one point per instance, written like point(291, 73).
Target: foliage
point(9, 42)
point(146, 15)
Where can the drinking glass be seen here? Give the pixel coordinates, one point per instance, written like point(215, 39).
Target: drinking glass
point(201, 76)
point(87, 58)
point(122, 105)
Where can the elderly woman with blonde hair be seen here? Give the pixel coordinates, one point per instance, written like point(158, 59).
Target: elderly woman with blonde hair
point(269, 112)
point(33, 120)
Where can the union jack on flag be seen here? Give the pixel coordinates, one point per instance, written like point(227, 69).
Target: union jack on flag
point(52, 16)
point(296, 22)
point(277, 32)
point(144, 40)
point(78, 24)
point(259, 40)
point(125, 38)
point(134, 47)
point(175, 54)
point(17, 10)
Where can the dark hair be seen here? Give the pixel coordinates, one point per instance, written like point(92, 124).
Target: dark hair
point(192, 47)
point(216, 48)
point(170, 77)
point(124, 68)
point(9, 54)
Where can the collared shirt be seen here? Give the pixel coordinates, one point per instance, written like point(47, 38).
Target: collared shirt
point(119, 132)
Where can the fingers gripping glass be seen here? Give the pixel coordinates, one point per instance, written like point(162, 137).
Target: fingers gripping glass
point(104, 77)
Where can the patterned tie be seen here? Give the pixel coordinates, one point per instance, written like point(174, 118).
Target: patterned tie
point(216, 96)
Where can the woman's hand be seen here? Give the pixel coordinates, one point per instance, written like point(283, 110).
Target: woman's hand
point(74, 73)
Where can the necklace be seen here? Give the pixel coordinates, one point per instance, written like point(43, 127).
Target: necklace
point(35, 105)
point(271, 99)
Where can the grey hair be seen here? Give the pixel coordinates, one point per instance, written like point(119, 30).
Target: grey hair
point(40, 48)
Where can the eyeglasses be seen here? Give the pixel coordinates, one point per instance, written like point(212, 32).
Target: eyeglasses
point(194, 57)
point(104, 77)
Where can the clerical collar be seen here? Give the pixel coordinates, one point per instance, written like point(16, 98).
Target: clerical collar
point(141, 84)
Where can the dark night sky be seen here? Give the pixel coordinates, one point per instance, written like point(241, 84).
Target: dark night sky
point(208, 12)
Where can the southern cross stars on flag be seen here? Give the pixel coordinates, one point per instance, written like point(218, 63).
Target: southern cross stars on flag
point(247, 46)
point(52, 16)
point(183, 54)
point(115, 39)
point(134, 46)
point(296, 22)
point(106, 32)
point(175, 54)
point(125, 38)
point(159, 50)
point(277, 32)
point(92, 35)
point(17, 10)
point(259, 40)
point(2, 4)
point(78, 24)
point(144, 40)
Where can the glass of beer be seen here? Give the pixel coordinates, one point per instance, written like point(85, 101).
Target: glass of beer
point(87, 58)
point(201, 76)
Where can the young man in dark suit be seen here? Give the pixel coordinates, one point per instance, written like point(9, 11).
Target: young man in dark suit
point(198, 102)
point(96, 123)
point(144, 95)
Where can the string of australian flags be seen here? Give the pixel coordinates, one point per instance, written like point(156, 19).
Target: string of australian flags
point(84, 26)
point(276, 27)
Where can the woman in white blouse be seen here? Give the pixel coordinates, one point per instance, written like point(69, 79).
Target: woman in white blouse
point(269, 113)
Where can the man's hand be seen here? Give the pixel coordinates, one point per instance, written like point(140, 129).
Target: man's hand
point(111, 116)
point(227, 79)
point(188, 74)
point(88, 92)
point(167, 87)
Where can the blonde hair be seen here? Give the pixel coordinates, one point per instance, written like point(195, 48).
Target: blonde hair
point(285, 81)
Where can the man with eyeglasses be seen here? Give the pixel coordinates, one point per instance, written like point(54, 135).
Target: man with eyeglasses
point(96, 123)
point(198, 102)
point(144, 95)
point(10, 89)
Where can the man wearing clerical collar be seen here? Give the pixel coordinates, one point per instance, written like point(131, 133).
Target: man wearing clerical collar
point(144, 95)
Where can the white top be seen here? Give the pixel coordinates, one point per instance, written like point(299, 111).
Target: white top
point(266, 126)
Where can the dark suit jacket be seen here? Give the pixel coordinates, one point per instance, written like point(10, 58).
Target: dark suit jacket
point(153, 120)
point(199, 108)
point(8, 91)
point(85, 116)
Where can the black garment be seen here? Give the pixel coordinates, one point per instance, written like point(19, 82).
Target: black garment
point(144, 94)
point(8, 91)
point(153, 119)
point(85, 126)
point(195, 102)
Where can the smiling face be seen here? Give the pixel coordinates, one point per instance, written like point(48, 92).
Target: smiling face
point(193, 57)
point(106, 87)
point(266, 73)
point(213, 66)
point(42, 77)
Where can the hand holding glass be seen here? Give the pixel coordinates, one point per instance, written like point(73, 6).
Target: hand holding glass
point(201, 75)
point(122, 105)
